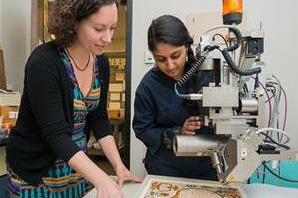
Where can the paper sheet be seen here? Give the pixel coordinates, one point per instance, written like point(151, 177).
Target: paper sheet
point(157, 187)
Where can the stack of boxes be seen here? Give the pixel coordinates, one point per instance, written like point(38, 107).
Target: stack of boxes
point(9, 107)
point(9, 101)
point(116, 97)
point(116, 101)
point(9, 115)
point(117, 85)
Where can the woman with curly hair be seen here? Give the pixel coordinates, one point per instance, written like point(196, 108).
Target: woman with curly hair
point(64, 99)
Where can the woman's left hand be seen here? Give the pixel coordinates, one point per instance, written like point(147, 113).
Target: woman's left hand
point(124, 174)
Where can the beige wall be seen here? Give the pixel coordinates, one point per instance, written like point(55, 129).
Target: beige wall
point(15, 31)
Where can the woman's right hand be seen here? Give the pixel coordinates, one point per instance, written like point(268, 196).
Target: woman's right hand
point(108, 188)
point(191, 124)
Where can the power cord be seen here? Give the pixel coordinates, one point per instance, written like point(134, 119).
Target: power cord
point(276, 175)
point(273, 141)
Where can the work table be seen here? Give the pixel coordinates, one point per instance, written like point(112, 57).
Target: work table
point(134, 190)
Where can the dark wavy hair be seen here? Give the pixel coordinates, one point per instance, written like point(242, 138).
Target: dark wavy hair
point(65, 14)
point(170, 30)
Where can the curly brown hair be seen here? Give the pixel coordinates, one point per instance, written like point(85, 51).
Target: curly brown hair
point(65, 14)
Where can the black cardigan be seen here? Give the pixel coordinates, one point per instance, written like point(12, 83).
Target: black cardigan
point(42, 131)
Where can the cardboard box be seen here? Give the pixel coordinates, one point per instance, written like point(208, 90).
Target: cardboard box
point(114, 113)
point(115, 96)
point(9, 112)
point(9, 122)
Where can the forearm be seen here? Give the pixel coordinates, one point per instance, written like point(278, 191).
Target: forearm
point(82, 164)
point(108, 145)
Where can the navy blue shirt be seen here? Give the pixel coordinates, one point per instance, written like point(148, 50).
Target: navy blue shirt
point(157, 108)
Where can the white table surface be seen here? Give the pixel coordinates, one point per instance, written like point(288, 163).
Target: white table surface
point(129, 190)
point(269, 191)
point(251, 191)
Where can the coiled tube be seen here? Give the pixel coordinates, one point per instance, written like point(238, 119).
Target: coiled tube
point(195, 67)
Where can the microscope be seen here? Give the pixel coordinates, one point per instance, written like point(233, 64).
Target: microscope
point(243, 137)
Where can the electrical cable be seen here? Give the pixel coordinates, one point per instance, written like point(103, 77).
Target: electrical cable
point(216, 28)
point(264, 175)
point(270, 105)
point(229, 60)
point(271, 86)
point(279, 168)
point(238, 35)
point(276, 175)
point(226, 55)
point(277, 101)
point(275, 116)
point(286, 108)
point(275, 88)
point(272, 90)
point(276, 130)
point(273, 141)
point(245, 89)
point(223, 38)
point(232, 29)
point(257, 84)
point(234, 67)
point(242, 56)
point(193, 69)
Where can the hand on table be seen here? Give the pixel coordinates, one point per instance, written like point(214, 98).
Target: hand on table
point(108, 189)
point(123, 174)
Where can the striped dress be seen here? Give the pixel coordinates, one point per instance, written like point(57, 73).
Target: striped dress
point(62, 181)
